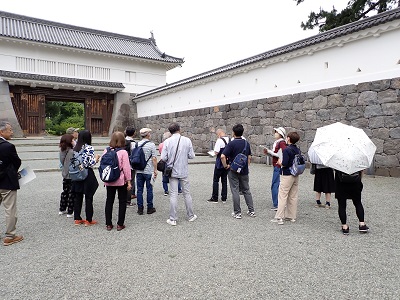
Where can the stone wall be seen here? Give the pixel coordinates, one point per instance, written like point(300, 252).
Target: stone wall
point(372, 106)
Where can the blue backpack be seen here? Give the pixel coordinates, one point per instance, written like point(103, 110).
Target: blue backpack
point(299, 164)
point(240, 160)
point(109, 167)
point(76, 170)
point(137, 159)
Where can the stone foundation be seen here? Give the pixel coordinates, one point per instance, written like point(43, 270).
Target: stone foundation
point(372, 106)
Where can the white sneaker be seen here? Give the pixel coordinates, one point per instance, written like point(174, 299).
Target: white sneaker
point(70, 215)
point(171, 222)
point(193, 218)
point(290, 219)
point(237, 216)
point(62, 213)
point(251, 214)
point(279, 221)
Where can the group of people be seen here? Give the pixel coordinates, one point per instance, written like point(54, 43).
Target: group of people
point(175, 151)
point(284, 186)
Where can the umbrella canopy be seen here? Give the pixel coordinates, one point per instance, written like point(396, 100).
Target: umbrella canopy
point(342, 147)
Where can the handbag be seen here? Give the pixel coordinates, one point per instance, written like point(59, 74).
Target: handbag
point(161, 166)
point(168, 170)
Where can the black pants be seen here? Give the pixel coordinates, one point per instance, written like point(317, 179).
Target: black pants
point(122, 192)
point(342, 209)
point(67, 197)
point(88, 207)
point(223, 174)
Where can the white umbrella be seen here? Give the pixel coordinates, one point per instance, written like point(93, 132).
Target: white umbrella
point(342, 147)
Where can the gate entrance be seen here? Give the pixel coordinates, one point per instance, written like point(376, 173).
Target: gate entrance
point(29, 107)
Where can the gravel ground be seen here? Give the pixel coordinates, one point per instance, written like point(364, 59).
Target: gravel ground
point(215, 257)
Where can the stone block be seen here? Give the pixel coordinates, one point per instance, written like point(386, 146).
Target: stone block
point(262, 113)
point(297, 106)
point(312, 94)
point(380, 171)
point(373, 111)
point(378, 142)
point(380, 85)
point(395, 133)
point(253, 112)
point(391, 109)
point(395, 83)
point(311, 115)
point(392, 121)
point(355, 113)
point(319, 102)
point(363, 86)
point(360, 123)
point(330, 91)
point(323, 114)
point(368, 98)
point(335, 100)
point(377, 122)
point(351, 99)
point(391, 147)
point(394, 172)
point(338, 114)
point(386, 160)
point(387, 96)
point(348, 89)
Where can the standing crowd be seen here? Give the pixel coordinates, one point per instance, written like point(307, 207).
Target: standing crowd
point(125, 160)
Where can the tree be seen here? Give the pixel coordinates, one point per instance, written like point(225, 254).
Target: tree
point(61, 115)
point(355, 10)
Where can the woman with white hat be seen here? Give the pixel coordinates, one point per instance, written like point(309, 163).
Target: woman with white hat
point(278, 146)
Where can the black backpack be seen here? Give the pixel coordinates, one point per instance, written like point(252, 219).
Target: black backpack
point(109, 167)
point(137, 158)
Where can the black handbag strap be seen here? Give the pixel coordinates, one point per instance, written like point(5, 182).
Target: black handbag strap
point(176, 152)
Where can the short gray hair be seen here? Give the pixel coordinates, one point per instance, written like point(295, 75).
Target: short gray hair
point(3, 125)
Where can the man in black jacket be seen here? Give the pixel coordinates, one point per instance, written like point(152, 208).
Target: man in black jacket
point(9, 165)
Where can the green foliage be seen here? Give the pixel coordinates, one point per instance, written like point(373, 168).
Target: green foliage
point(355, 10)
point(61, 115)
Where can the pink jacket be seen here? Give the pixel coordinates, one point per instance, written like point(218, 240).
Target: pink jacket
point(124, 166)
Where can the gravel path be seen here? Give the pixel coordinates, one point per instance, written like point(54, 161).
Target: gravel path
point(215, 257)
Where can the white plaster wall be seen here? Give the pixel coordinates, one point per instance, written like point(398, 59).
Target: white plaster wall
point(149, 74)
point(376, 57)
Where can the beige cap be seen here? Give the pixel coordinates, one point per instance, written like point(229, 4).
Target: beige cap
point(144, 131)
point(71, 130)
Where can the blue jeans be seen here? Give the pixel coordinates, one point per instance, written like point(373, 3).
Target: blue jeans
point(165, 181)
point(141, 179)
point(275, 186)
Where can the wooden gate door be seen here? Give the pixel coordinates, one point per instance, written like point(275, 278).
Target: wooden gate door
point(98, 115)
point(30, 111)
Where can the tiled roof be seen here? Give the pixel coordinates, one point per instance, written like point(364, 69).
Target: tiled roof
point(56, 79)
point(319, 38)
point(42, 31)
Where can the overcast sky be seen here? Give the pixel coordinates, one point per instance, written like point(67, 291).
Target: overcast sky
point(207, 34)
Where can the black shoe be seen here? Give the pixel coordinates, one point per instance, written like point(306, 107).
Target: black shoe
point(140, 211)
point(363, 228)
point(151, 210)
point(213, 200)
point(346, 231)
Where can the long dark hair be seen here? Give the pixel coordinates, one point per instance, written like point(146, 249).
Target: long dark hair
point(84, 137)
point(66, 142)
